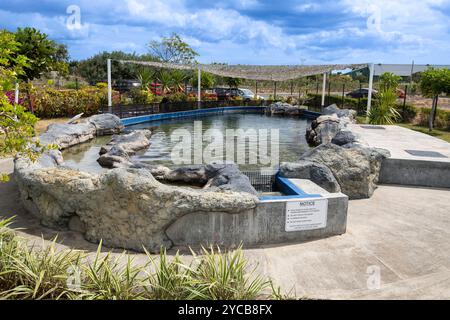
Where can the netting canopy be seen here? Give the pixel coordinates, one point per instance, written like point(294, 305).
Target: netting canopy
point(254, 72)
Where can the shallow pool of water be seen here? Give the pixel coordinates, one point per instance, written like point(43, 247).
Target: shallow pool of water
point(291, 132)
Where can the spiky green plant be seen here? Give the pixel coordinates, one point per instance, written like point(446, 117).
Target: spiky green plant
point(227, 276)
point(32, 272)
point(145, 78)
point(384, 112)
point(107, 278)
point(178, 79)
point(35, 273)
point(165, 79)
point(170, 279)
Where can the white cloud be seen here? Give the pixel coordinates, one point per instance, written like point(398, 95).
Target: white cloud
point(221, 32)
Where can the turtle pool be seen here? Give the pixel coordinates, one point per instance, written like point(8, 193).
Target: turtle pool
point(291, 132)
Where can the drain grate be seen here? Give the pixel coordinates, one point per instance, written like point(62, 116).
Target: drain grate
point(430, 154)
point(373, 127)
point(261, 181)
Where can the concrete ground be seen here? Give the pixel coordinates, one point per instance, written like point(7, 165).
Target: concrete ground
point(398, 239)
point(398, 139)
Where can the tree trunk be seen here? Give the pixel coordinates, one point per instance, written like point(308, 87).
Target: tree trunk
point(432, 114)
point(435, 110)
point(30, 103)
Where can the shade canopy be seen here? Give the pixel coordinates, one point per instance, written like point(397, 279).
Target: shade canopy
point(253, 72)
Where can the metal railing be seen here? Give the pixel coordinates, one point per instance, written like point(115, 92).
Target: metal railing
point(134, 110)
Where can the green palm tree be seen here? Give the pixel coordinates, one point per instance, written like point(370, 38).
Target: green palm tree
point(145, 77)
point(165, 79)
point(178, 79)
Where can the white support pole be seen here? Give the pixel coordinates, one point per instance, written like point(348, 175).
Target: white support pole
point(369, 94)
point(199, 87)
point(16, 93)
point(109, 86)
point(324, 86)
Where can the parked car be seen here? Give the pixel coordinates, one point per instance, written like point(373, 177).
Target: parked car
point(222, 93)
point(125, 85)
point(248, 95)
point(230, 93)
point(400, 93)
point(361, 93)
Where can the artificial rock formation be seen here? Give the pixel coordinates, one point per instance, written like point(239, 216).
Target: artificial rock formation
point(325, 128)
point(283, 109)
point(117, 152)
point(342, 160)
point(317, 172)
point(214, 176)
point(70, 134)
point(356, 169)
point(125, 207)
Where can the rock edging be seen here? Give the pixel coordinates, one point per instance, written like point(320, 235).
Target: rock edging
point(125, 207)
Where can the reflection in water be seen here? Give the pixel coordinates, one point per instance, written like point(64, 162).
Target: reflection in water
point(291, 136)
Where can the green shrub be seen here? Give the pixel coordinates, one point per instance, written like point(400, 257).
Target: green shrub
point(407, 112)
point(74, 85)
point(384, 109)
point(29, 272)
point(176, 97)
point(442, 118)
point(52, 103)
point(139, 96)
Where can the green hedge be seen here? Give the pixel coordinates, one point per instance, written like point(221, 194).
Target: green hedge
point(52, 103)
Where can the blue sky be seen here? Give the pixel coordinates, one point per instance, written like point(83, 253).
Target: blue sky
point(248, 31)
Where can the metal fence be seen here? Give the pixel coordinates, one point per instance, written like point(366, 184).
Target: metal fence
point(134, 110)
point(261, 181)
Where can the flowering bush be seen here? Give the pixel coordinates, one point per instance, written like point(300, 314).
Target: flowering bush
point(176, 97)
point(51, 103)
point(139, 96)
point(11, 95)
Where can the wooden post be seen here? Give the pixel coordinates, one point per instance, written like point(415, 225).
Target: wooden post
point(275, 91)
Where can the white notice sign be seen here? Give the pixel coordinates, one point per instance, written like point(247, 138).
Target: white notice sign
point(308, 214)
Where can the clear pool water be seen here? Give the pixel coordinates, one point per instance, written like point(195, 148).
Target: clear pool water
point(291, 131)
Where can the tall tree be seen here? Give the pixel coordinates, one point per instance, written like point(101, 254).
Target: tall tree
point(94, 69)
point(434, 82)
point(16, 125)
point(389, 81)
point(173, 49)
point(44, 55)
point(233, 82)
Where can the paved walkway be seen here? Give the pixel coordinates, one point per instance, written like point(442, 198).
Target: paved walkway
point(402, 232)
point(398, 139)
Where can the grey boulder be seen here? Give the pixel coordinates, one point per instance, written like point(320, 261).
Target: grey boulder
point(323, 130)
point(116, 157)
point(283, 109)
point(356, 169)
point(214, 177)
point(67, 135)
point(333, 109)
point(131, 142)
point(316, 172)
point(106, 124)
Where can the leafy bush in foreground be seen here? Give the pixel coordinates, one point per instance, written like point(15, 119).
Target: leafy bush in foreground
point(47, 273)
